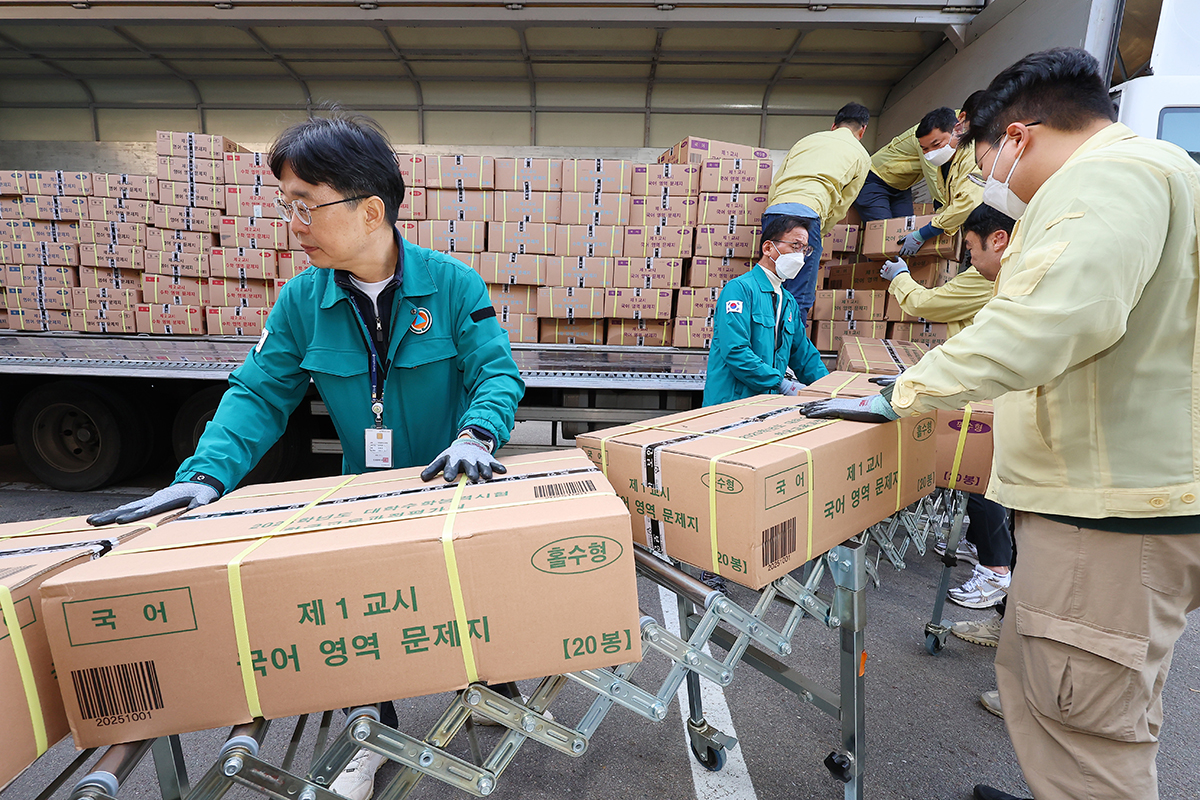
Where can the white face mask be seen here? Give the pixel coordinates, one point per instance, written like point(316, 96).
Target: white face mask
point(998, 195)
point(788, 265)
point(940, 156)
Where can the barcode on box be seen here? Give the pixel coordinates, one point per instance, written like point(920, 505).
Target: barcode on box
point(565, 489)
point(118, 689)
point(779, 542)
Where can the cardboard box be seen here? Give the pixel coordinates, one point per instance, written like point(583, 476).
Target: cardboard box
point(195, 145)
point(183, 241)
point(450, 236)
point(520, 327)
point(647, 273)
point(723, 241)
point(658, 242)
point(579, 331)
point(527, 175)
point(590, 175)
point(35, 298)
point(46, 254)
point(459, 204)
point(861, 273)
point(252, 169)
point(930, 334)
point(196, 195)
point(75, 184)
point(894, 312)
point(828, 335)
point(164, 289)
point(674, 210)
point(37, 275)
point(840, 239)
point(670, 180)
point(240, 262)
point(26, 319)
point(882, 238)
point(553, 546)
point(749, 175)
point(965, 437)
point(541, 207)
point(291, 263)
point(13, 182)
point(250, 201)
point(732, 209)
point(844, 304)
point(187, 218)
point(236, 320)
point(412, 170)
point(256, 233)
point(695, 302)
point(103, 320)
point(537, 238)
point(512, 268)
point(129, 234)
point(50, 207)
point(638, 303)
point(107, 278)
point(169, 319)
point(788, 491)
point(639, 333)
point(714, 271)
point(204, 171)
point(120, 209)
point(878, 356)
point(231, 292)
point(460, 172)
point(569, 302)
point(594, 208)
point(113, 256)
point(579, 271)
point(693, 149)
point(414, 205)
point(692, 332)
point(28, 230)
point(592, 241)
point(509, 299)
point(4, 319)
point(133, 187)
point(84, 298)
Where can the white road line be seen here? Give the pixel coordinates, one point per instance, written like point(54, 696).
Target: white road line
point(733, 781)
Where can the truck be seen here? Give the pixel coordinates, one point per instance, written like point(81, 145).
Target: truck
point(84, 86)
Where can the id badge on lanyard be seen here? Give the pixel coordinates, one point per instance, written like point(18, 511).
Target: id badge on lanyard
point(377, 447)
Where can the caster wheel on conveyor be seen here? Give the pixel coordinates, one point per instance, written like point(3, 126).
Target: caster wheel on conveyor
point(711, 759)
point(934, 643)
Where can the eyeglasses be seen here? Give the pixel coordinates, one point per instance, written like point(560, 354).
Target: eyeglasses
point(303, 211)
point(797, 246)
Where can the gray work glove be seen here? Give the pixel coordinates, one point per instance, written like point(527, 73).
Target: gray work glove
point(883, 380)
point(790, 387)
point(892, 268)
point(464, 456)
point(911, 244)
point(177, 495)
point(866, 409)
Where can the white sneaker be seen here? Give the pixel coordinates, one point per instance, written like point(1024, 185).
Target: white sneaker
point(983, 589)
point(966, 551)
point(357, 781)
point(991, 702)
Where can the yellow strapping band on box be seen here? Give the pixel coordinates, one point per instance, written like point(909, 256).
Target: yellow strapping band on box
point(460, 609)
point(899, 465)
point(843, 385)
point(862, 353)
point(25, 668)
point(238, 601)
point(960, 446)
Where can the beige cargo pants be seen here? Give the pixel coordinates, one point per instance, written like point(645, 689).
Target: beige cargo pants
point(1092, 621)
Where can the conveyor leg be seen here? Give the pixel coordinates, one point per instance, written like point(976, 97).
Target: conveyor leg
point(936, 630)
point(172, 772)
point(850, 579)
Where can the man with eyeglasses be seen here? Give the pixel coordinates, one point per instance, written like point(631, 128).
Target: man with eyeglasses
point(757, 330)
point(1089, 349)
point(819, 179)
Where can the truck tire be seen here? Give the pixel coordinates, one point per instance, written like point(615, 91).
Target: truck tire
point(196, 412)
point(78, 436)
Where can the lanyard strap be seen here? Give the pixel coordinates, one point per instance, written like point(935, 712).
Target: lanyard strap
point(374, 362)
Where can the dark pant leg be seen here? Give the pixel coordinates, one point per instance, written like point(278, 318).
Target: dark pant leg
point(874, 201)
point(988, 531)
point(902, 202)
point(387, 715)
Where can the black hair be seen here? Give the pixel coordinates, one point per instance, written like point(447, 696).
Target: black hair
point(985, 220)
point(971, 104)
point(1062, 88)
point(852, 113)
point(778, 226)
point(942, 119)
point(348, 152)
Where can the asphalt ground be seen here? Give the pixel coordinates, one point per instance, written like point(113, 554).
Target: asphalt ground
point(927, 736)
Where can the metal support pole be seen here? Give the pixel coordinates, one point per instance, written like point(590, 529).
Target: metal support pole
point(936, 629)
point(848, 565)
point(170, 767)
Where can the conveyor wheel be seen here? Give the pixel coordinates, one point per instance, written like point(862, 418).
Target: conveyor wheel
point(712, 759)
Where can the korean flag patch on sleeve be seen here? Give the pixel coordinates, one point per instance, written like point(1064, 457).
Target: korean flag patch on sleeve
point(733, 306)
